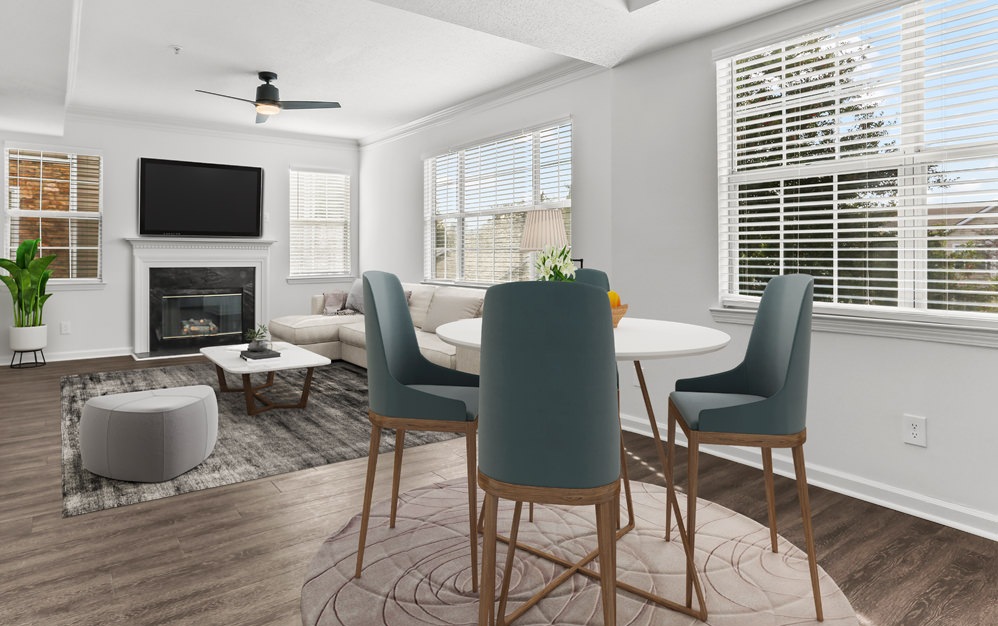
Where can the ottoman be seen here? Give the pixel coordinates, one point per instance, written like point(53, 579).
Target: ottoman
point(149, 436)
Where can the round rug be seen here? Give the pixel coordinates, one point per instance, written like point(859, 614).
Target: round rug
point(419, 572)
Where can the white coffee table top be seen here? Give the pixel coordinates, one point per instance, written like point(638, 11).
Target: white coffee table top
point(292, 357)
point(634, 339)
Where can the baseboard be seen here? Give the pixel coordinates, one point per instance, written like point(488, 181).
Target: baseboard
point(949, 514)
point(75, 355)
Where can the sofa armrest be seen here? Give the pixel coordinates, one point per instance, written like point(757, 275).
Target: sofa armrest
point(317, 304)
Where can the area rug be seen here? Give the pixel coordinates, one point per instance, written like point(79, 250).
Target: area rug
point(333, 427)
point(419, 572)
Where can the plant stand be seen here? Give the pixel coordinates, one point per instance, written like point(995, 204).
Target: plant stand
point(19, 355)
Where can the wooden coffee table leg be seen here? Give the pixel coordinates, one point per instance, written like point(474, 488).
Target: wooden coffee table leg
point(222, 384)
point(250, 397)
point(306, 388)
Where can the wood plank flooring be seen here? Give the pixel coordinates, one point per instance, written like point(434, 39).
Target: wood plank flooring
point(237, 554)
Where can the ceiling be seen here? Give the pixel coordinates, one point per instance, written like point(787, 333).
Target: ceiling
point(388, 62)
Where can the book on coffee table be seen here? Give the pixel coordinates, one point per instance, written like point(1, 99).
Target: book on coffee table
point(261, 354)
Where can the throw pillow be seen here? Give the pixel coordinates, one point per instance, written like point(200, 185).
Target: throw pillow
point(333, 301)
point(355, 299)
point(450, 304)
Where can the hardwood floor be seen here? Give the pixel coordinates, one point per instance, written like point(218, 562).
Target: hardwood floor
point(237, 554)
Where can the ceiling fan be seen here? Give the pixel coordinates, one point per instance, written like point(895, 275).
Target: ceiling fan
point(268, 100)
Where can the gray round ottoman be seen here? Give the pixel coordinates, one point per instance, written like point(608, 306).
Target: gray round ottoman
point(149, 436)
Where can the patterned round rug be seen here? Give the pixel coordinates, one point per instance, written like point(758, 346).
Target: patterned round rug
point(419, 572)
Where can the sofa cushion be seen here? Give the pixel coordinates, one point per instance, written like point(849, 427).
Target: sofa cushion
point(353, 334)
point(355, 299)
point(307, 329)
point(450, 304)
point(435, 349)
point(419, 302)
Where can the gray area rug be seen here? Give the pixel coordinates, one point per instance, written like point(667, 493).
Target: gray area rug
point(334, 427)
point(418, 573)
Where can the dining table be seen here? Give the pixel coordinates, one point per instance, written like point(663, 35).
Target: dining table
point(635, 340)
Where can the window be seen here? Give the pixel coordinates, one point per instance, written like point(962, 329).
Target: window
point(477, 199)
point(866, 155)
point(56, 197)
point(320, 224)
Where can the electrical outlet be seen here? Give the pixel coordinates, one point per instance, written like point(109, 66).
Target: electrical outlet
point(64, 328)
point(915, 432)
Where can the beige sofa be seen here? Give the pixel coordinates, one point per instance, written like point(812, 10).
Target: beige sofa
point(342, 336)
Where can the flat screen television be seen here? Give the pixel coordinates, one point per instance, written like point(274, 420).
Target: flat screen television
point(185, 199)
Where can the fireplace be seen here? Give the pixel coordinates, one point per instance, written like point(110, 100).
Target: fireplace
point(194, 307)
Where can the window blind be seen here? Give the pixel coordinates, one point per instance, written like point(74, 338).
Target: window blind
point(320, 223)
point(56, 197)
point(476, 201)
point(866, 155)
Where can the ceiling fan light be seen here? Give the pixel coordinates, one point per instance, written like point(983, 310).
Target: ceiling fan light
point(267, 108)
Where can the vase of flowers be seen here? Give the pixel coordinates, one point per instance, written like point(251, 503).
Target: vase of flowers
point(555, 264)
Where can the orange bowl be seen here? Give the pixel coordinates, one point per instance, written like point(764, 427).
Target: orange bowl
point(618, 312)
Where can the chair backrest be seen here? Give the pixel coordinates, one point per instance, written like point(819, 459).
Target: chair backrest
point(548, 404)
point(594, 277)
point(392, 352)
point(779, 348)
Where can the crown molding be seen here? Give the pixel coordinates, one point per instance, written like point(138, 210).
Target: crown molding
point(176, 124)
point(565, 73)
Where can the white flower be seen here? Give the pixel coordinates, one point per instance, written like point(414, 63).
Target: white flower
point(555, 264)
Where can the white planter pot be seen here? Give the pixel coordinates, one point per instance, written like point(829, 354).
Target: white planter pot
point(26, 338)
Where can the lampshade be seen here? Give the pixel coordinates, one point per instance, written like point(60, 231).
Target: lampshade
point(543, 228)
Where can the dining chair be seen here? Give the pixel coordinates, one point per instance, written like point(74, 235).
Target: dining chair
point(761, 402)
point(408, 392)
point(548, 424)
point(594, 277)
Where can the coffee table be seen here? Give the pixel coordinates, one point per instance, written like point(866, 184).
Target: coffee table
point(227, 360)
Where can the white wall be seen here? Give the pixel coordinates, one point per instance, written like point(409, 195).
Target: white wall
point(665, 255)
point(645, 209)
point(391, 180)
point(101, 319)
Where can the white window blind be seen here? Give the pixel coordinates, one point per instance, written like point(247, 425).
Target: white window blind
point(476, 201)
point(866, 155)
point(56, 197)
point(320, 224)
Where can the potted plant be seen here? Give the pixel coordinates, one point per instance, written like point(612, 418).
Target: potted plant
point(258, 338)
point(26, 281)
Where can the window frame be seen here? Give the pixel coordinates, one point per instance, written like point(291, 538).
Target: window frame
point(351, 228)
point(57, 284)
point(430, 217)
point(966, 328)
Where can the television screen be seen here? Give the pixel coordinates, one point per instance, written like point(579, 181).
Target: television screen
point(185, 199)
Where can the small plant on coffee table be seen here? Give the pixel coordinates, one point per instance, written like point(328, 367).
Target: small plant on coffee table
point(258, 338)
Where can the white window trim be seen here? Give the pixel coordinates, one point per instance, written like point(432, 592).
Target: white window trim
point(56, 284)
point(328, 277)
point(979, 330)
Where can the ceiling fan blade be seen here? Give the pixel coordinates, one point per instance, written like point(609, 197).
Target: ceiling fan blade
point(306, 104)
point(260, 119)
point(222, 95)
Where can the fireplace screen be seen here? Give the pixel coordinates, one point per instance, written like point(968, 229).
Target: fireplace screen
point(202, 315)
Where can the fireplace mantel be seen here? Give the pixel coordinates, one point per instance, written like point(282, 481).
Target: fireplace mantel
point(150, 252)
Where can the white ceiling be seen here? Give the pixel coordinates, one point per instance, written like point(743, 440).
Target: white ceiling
point(388, 62)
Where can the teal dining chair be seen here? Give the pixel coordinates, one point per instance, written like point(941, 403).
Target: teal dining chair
point(548, 425)
point(761, 402)
point(594, 277)
point(408, 392)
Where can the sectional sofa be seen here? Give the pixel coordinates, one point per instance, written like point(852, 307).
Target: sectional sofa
point(340, 334)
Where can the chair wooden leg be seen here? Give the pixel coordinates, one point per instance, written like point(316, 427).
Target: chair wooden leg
point(767, 470)
point(487, 590)
point(606, 538)
point(396, 473)
point(372, 466)
point(805, 511)
point(507, 571)
point(671, 460)
point(471, 445)
point(691, 505)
